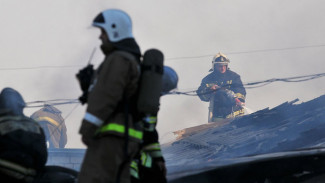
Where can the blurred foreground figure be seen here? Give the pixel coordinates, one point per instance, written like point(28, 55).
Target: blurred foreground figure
point(224, 90)
point(108, 127)
point(149, 164)
point(23, 152)
point(53, 125)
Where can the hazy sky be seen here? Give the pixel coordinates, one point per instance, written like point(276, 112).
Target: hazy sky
point(37, 36)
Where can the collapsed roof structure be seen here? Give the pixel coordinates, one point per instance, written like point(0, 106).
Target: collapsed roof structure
point(282, 144)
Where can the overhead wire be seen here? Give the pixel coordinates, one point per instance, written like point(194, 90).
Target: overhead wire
point(187, 93)
point(249, 51)
point(249, 85)
point(171, 58)
point(40, 67)
point(53, 102)
point(257, 84)
point(289, 79)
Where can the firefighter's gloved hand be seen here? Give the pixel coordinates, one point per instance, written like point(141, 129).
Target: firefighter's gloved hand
point(83, 98)
point(162, 167)
point(87, 131)
point(85, 76)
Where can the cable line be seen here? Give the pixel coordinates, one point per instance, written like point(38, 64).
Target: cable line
point(172, 58)
point(249, 51)
point(39, 67)
point(51, 102)
point(252, 85)
point(276, 49)
point(249, 85)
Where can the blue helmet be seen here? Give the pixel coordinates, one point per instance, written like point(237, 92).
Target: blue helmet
point(169, 80)
point(11, 101)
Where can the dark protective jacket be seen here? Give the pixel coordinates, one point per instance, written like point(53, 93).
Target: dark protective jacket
point(110, 104)
point(223, 106)
point(113, 88)
point(53, 125)
point(116, 83)
point(22, 142)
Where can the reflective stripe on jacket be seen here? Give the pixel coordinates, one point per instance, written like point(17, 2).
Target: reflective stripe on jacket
point(117, 128)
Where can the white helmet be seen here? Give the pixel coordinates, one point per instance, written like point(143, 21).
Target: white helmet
point(221, 59)
point(116, 23)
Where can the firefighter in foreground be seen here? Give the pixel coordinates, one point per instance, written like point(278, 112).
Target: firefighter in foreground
point(23, 152)
point(53, 125)
point(149, 164)
point(224, 90)
point(111, 100)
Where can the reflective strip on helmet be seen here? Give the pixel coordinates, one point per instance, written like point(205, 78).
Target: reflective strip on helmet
point(152, 147)
point(146, 160)
point(52, 121)
point(121, 129)
point(220, 63)
point(93, 119)
point(134, 171)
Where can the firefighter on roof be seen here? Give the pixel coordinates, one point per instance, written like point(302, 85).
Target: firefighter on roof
point(224, 90)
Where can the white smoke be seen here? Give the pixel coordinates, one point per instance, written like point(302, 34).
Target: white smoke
point(56, 33)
